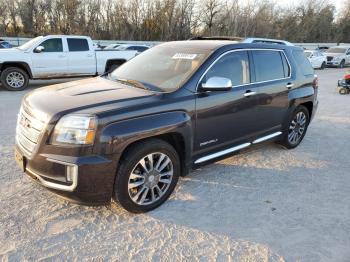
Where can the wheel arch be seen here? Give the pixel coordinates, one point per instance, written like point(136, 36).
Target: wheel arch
point(175, 139)
point(111, 62)
point(23, 65)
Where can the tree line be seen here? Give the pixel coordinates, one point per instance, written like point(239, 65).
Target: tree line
point(163, 20)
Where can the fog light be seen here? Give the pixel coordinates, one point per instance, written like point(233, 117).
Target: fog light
point(70, 170)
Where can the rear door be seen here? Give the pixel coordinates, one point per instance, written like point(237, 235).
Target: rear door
point(273, 76)
point(226, 118)
point(81, 57)
point(52, 61)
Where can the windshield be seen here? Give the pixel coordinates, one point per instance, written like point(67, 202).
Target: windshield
point(163, 67)
point(30, 43)
point(308, 53)
point(336, 50)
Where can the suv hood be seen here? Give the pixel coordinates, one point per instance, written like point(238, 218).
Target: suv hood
point(93, 95)
point(334, 54)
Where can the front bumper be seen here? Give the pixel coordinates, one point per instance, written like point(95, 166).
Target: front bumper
point(333, 63)
point(85, 180)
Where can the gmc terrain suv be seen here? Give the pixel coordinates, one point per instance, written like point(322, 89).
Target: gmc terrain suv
point(129, 135)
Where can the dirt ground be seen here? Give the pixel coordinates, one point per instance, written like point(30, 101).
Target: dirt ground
point(267, 204)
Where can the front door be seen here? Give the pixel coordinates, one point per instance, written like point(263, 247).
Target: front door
point(226, 118)
point(51, 62)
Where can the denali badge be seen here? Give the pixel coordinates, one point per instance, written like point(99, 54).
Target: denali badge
point(208, 142)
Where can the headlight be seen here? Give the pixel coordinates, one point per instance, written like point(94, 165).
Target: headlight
point(75, 129)
point(337, 58)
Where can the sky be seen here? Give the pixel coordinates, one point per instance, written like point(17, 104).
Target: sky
point(338, 3)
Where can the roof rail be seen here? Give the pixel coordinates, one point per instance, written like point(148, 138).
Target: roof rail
point(244, 40)
point(230, 38)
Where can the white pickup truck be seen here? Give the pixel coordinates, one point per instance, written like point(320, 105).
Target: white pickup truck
point(56, 56)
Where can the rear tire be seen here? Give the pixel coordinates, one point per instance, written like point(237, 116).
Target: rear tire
point(147, 175)
point(296, 128)
point(323, 66)
point(14, 79)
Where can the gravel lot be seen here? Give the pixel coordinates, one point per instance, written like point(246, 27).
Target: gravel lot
point(267, 204)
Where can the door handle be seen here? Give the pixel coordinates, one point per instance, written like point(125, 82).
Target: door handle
point(249, 93)
point(89, 55)
point(61, 56)
point(289, 85)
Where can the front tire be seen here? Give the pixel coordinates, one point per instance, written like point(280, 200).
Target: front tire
point(147, 175)
point(14, 79)
point(342, 64)
point(296, 127)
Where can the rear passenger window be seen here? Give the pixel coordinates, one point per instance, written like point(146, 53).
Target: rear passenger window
point(77, 44)
point(303, 62)
point(269, 65)
point(234, 66)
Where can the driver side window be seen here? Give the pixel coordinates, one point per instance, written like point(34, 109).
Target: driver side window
point(52, 45)
point(234, 66)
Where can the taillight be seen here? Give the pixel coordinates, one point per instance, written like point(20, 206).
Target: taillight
point(315, 82)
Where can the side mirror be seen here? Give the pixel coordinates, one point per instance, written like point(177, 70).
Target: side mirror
point(217, 84)
point(39, 49)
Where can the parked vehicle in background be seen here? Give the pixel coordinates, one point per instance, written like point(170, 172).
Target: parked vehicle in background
point(130, 134)
point(56, 56)
point(138, 48)
point(256, 40)
point(316, 58)
point(5, 44)
point(322, 49)
point(111, 46)
point(344, 85)
point(338, 56)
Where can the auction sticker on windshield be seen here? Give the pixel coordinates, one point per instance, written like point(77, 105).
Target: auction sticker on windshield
point(184, 56)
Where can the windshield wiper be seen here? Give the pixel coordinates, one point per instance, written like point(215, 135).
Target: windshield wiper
point(131, 82)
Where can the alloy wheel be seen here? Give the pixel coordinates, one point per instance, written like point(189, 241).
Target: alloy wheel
point(15, 80)
point(150, 178)
point(297, 128)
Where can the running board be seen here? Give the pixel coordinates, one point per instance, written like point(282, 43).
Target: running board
point(236, 148)
point(221, 153)
point(264, 138)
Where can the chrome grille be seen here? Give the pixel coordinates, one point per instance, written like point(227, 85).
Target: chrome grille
point(329, 58)
point(28, 130)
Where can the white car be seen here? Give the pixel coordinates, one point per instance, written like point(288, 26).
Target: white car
point(316, 58)
point(338, 56)
point(56, 56)
point(138, 48)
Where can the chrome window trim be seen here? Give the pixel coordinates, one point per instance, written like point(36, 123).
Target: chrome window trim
point(248, 49)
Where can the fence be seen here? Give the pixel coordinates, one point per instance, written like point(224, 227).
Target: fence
point(16, 41)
